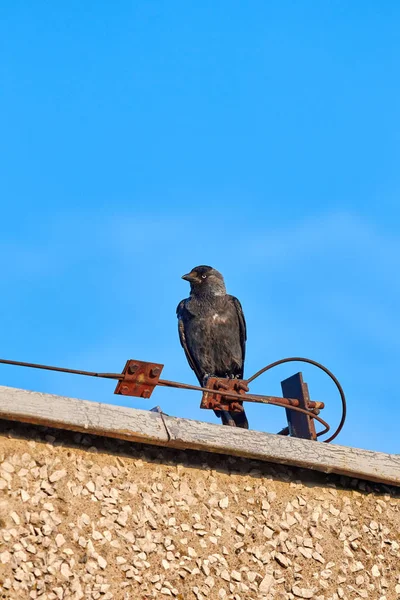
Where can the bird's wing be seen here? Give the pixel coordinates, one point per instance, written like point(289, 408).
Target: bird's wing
point(242, 324)
point(182, 337)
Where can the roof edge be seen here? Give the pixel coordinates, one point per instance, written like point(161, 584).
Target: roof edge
point(142, 426)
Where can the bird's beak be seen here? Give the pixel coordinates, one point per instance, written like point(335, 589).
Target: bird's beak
point(191, 277)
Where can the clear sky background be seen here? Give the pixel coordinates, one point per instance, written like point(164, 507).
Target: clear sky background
point(139, 139)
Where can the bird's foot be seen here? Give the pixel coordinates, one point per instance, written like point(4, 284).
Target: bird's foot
point(205, 379)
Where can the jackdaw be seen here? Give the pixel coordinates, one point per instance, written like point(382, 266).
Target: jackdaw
point(212, 331)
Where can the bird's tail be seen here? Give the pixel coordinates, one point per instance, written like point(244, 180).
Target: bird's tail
point(233, 419)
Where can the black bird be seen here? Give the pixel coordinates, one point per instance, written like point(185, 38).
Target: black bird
point(212, 331)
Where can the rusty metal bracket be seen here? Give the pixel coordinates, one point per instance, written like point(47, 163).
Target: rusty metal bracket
point(218, 402)
point(139, 379)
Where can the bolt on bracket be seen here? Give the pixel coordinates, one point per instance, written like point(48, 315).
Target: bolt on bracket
point(218, 402)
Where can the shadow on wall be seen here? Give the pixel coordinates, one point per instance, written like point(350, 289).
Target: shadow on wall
point(91, 445)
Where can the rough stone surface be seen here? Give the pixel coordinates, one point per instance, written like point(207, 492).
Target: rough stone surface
point(84, 517)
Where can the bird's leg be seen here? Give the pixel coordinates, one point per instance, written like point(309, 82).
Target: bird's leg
point(227, 419)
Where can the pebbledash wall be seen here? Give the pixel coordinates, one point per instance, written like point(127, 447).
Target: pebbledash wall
point(91, 517)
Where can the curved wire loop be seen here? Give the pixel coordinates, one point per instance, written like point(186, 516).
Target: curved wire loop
point(325, 370)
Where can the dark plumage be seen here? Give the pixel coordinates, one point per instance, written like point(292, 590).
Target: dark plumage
point(212, 331)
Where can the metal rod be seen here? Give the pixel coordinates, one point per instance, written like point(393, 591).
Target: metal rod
point(61, 369)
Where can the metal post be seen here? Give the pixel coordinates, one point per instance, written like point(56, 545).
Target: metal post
point(300, 425)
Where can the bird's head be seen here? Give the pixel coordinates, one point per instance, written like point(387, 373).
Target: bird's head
point(205, 280)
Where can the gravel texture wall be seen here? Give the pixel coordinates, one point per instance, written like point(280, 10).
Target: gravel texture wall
point(93, 518)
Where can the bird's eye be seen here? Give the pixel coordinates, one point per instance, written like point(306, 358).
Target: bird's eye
point(203, 276)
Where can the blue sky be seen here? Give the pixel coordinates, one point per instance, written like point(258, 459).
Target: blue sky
point(140, 139)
